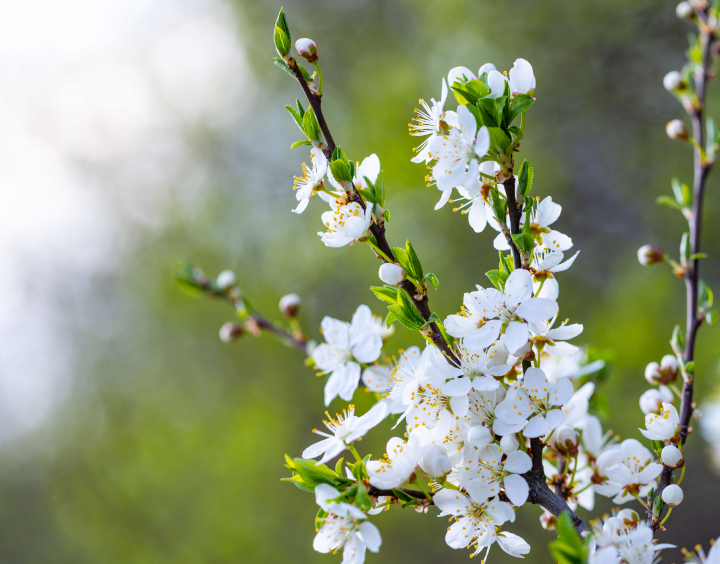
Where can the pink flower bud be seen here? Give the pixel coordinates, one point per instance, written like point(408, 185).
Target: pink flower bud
point(649, 254)
point(566, 440)
point(548, 521)
point(672, 495)
point(231, 332)
point(673, 81)
point(307, 48)
point(672, 457)
point(669, 362)
point(628, 516)
point(652, 373)
point(290, 305)
point(675, 129)
point(391, 274)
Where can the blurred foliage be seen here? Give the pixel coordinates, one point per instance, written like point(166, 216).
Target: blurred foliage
point(171, 448)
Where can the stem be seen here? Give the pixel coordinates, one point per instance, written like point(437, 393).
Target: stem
point(701, 169)
point(289, 339)
point(514, 215)
point(377, 229)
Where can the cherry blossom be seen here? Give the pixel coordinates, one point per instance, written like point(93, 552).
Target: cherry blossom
point(311, 179)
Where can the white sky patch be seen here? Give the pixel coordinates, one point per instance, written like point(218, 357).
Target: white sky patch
point(96, 97)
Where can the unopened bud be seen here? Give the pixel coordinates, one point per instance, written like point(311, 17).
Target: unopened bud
point(652, 400)
point(231, 332)
point(698, 5)
point(434, 461)
point(548, 521)
point(652, 373)
point(628, 517)
point(290, 305)
point(307, 48)
point(566, 440)
point(391, 274)
point(226, 279)
point(509, 444)
point(479, 436)
point(614, 527)
point(650, 254)
point(685, 11)
point(672, 457)
point(675, 129)
point(669, 362)
point(673, 81)
point(672, 495)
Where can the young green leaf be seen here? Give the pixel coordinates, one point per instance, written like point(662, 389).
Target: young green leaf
point(525, 178)
point(415, 269)
point(282, 42)
point(386, 293)
point(432, 279)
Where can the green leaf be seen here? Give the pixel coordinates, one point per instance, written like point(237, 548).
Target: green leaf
point(516, 131)
point(711, 316)
point(362, 498)
point(188, 287)
point(415, 269)
point(469, 92)
point(497, 278)
point(519, 105)
point(338, 466)
point(298, 117)
point(484, 110)
point(668, 201)
point(299, 143)
point(308, 473)
point(386, 293)
point(402, 496)
point(685, 249)
point(389, 319)
point(340, 170)
point(311, 126)
point(406, 313)
point(569, 547)
point(432, 279)
point(677, 341)
point(499, 141)
point(380, 189)
point(280, 63)
point(682, 193)
point(498, 204)
point(282, 42)
point(525, 178)
point(386, 215)
point(499, 110)
point(401, 257)
point(525, 242)
point(281, 22)
point(705, 296)
point(368, 195)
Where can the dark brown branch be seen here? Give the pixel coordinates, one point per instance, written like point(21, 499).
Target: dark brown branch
point(701, 169)
point(514, 215)
point(378, 230)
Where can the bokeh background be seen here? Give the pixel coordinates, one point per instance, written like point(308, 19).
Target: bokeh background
point(137, 132)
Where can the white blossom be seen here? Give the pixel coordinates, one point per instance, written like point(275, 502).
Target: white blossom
point(486, 471)
point(429, 122)
point(345, 223)
point(651, 401)
point(347, 344)
point(532, 405)
point(344, 430)
point(345, 527)
point(663, 426)
point(630, 469)
point(397, 465)
point(434, 461)
point(312, 179)
point(619, 544)
point(476, 522)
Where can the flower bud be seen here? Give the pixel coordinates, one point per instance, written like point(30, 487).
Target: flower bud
point(434, 461)
point(673, 81)
point(391, 273)
point(307, 48)
point(509, 444)
point(479, 436)
point(669, 363)
point(672, 457)
point(652, 373)
point(566, 440)
point(290, 305)
point(672, 495)
point(548, 521)
point(226, 279)
point(685, 11)
point(628, 517)
point(614, 527)
point(650, 254)
point(651, 401)
point(675, 129)
point(231, 332)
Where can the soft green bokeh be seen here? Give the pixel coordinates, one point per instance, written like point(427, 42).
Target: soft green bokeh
point(170, 448)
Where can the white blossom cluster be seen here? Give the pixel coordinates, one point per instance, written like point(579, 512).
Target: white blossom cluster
point(466, 427)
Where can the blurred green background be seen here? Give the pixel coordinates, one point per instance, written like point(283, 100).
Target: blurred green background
point(166, 446)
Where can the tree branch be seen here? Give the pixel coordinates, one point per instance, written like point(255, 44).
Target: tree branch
point(377, 229)
point(701, 169)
